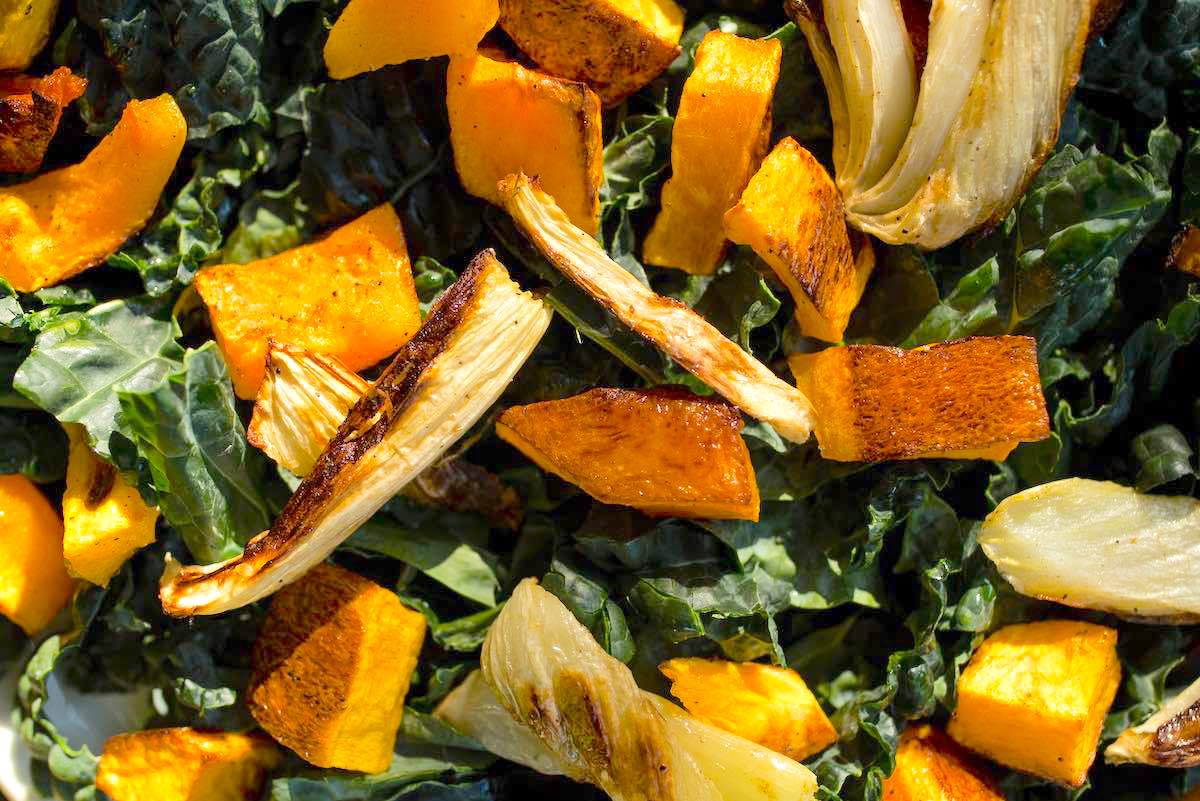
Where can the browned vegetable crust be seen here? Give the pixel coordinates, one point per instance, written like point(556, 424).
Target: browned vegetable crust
point(30, 109)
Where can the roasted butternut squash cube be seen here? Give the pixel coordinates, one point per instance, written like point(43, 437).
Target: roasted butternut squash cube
point(507, 119)
point(63, 222)
point(106, 521)
point(30, 109)
point(666, 452)
point(185, 765)
point(349, 295)
point(331, 669)
point(1185, 251)
point(721, 134)
point(34, 585)
point(24, 30)
point(768, 705)
point(792, 215)
point(932, 767)
point(971, 399)
point(371, 34)
point(614, 46)
point(1034, 697)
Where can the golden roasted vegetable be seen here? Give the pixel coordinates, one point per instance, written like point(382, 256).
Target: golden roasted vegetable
point(666, 452)
point(1098, 545)
point(24, 30)
point(792, 216)
point(185, 765)
point(304, 399)
point(615, 46)
point(768, 705)
point(1170, 738)
point(926, 167)
point(371, 34)
point(105, 519)
point(30, 109)
point(971, 399)
point(476, 338)
point(1185, 251)
point(349, 295)
point(932, 767)
point(721, 134)
point(1034, 697)
point(505, 118)
point(332, 665)
point(593, 724)
point(34, 585)
point(63, 222)
point(682, 334)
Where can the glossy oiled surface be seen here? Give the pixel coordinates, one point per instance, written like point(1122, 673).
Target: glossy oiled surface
point(332, 666)
point(34, 585)
point(665, 452)
point(507, 119)
point(932, 767)
point(792, 215)
point(720, 136)
point(24, 29)
point(1034, 697)
point(971, 399)
point(65, 221)
point(349, 295)
point(371, 34)
point(30, 110)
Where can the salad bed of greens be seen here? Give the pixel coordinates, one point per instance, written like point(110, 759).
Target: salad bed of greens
point(865, 579)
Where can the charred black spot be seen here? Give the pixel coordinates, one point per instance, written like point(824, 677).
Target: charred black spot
point(103, 478)
point(1176, 744)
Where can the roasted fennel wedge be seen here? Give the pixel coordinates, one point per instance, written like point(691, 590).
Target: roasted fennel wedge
point(1098, 545)
point(925, 167)
point(543, 674)
point(304, 399)
point(682, 334)
point(1170, 738)
point(476, 338)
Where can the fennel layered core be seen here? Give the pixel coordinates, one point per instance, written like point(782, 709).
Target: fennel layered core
point(476, 338)
point(685, 336)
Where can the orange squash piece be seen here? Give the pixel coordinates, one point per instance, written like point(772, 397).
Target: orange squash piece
point(507, 119)
point(614, 46)
point(932, 767)
point(768, 705)
point(61, 223)
point(34, 585)
point(1034, 697)
point(792, 215)
point(24, 30)
point(30, 109)
point(971, 399)
point(666, 452)
point(1185, 251)
point(349, 295)
point(331, 669)
point(185, 765)
point(371, 34)
point(721, 135)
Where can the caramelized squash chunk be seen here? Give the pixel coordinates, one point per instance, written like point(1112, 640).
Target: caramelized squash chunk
point(1185, 252)
point(666, 452)
point(768, 705)
point(30, 109)
point(34, 585)
point(506, 119)
point(1034, 697)
point(971, 399)
point(371, 34)
point(24, 30)
point(331, 669)
point(349, 295)
point(932, 767)
point(63, 222)
point(106, 521)
point(614, 46)
point(721, 135)
point(792, 215)
point(185, 765)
